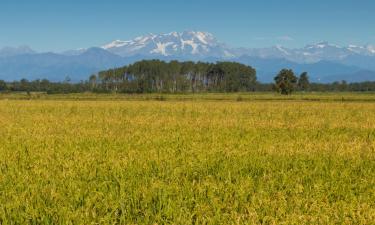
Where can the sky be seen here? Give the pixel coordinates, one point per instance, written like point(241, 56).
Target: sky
point(58, 25)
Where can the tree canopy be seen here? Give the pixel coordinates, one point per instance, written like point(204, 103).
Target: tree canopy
point(184, 77)
point(174, 76)
point(285, 81)
point(303, 82)
point(3, 85)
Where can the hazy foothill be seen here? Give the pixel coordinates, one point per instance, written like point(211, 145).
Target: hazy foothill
point(325, 62)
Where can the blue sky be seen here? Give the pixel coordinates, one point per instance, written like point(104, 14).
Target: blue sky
point(60, 25)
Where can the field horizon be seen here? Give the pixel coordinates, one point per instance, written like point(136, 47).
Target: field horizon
point(187, 159)
point(187, 112)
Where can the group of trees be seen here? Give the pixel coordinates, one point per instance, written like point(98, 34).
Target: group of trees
point(43, 86)
point(286, 82)
point(171, 77)
point(174, 76)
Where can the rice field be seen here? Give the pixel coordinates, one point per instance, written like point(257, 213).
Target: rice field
point(249, 159)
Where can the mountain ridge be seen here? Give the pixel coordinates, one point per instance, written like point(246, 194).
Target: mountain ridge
point(150, 44)
point(322, 60)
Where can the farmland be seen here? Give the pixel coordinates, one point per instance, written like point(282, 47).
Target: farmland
point(187, 159)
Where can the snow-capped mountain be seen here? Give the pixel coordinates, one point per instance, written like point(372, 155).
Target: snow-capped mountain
point(367, 50)
point(200, 45)
point(324, 61)
point(186, 44)
point(264, 53)
point(310, 53)
point(320, 51)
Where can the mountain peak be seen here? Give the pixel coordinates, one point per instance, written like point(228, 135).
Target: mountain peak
point(322, 45)
point(186, 44)
point(319, 59)
point(197, 45)
point(114, 44)
point(371, 48)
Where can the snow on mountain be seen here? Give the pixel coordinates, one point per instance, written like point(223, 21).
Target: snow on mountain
point(283, 50)
point(309, 54)
point(340, 52)
point(320, 51)
point(199, 45)
point(326, 51)
point(319, 59)
point(271, 52)
point(322, 45)
point(115, 44)
point(186, 44)
point(371, 49)
point(367, 50)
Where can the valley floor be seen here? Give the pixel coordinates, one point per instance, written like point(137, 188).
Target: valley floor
point(187, 159)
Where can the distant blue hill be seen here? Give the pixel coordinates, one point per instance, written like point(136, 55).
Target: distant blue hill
point(56, 67)
point(323, 61)
point(318, 72)
point(359, 76)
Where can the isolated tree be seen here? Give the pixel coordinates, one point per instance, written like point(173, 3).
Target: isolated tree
point(3, 85)
point(303, 82)
point(285, 81)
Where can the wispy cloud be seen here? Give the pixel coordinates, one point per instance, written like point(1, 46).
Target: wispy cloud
point(261, 38)
point(278, 38)
point(285, 38)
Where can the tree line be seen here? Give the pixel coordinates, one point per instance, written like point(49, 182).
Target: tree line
point(287, 82)
point(173, 77)
point(149, 76)
point(44, 85)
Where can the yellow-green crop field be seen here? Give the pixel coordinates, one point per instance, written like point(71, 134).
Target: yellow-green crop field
point(243, 160)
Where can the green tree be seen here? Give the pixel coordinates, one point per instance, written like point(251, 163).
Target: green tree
point(174, 76)
point(3, 85)
point(303, 82)
point(285, 81)
point(343, 86)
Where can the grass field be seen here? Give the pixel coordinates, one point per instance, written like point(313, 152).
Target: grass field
point(260, 96)
point(187, 159)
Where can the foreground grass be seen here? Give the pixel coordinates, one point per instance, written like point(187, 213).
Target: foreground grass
point(187, 162)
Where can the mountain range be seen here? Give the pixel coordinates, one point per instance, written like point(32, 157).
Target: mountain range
point(325, 62)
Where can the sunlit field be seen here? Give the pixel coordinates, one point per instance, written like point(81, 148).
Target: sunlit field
point(187, 159)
